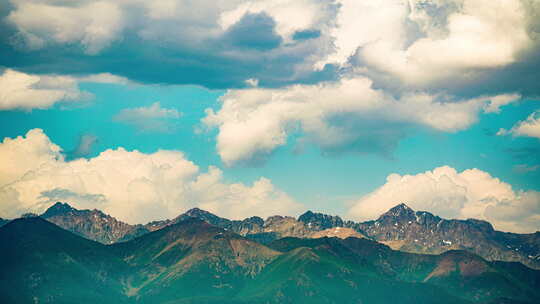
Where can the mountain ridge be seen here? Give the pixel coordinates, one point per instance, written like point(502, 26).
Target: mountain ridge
point(401, 228)
point(92, 224)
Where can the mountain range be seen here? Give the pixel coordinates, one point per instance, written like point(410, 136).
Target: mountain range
point(401, 228)
point(193, 261)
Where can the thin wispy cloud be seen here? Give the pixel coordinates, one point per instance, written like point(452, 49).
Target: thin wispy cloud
point(525, 169)
point(529, 127)
point(152, 118)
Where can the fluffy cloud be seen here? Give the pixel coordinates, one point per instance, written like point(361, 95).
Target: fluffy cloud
point(92, 24)
point(422, 42)
point(528, 128)
point(468, 194)
point(345, 115)
point(153, 118)
point(24, 91)
point(130, 185)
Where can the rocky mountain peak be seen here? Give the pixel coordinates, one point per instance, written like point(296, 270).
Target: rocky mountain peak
point(194, 212)
point(57, 209)
point(402, 207)
point(252, 224)
point(91, 224)
point(400, 212)
point(205, 216)
point(255, 220)
point(277, 219)
point(320, 221)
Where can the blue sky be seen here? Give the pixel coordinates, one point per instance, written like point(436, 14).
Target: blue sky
point(266, 107)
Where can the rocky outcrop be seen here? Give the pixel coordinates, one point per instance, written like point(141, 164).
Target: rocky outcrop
point(320, 221)
point(339, 232)
point(422, 232)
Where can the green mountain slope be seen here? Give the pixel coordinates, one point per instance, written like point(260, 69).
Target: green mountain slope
point(318, 276)
point(459, 273)
point(42, 263)
point(190, 259)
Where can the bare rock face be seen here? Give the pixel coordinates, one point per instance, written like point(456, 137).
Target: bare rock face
point(339, 232)
point(156, 225)
point(254, 227)
point(285, 226)
point(273, 228)
point(92, 224)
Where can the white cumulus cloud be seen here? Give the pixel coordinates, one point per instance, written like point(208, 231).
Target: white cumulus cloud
point(345, 115)
point(446, 192)
point(130, 185)
point(423, 42)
